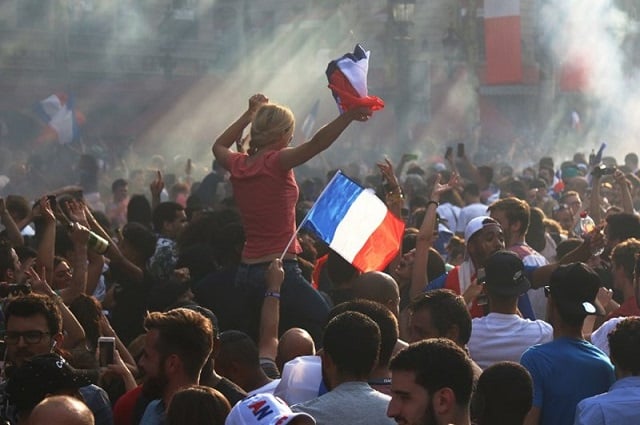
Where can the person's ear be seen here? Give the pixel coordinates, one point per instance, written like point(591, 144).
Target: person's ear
point(443, 401)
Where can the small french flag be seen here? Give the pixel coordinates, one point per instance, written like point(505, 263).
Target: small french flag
point(356, 224)
point(57, 112)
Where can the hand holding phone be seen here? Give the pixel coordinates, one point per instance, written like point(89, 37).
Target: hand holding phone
point(460, 150)
point(107, 348)
point(449, 154)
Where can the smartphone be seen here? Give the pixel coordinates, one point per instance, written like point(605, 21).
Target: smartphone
point(482, 299)
point(107, 347)
point(460, 150)
point(449, 152)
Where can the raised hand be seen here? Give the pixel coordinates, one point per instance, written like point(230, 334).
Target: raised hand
point(439, 189)
point(386, 169)
point(157, 184)
point(274, 275)
point(256, 101)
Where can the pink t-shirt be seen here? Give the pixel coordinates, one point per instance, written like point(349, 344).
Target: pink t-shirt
point(266, 196)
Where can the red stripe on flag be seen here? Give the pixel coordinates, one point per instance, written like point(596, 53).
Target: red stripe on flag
point(503, 50)
point(382, 246)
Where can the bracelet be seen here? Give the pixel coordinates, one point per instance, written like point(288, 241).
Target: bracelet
point(273, 294)
point(394, 197)
point(436, 203)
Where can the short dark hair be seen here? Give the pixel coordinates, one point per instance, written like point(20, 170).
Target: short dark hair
point(6, 257)
point(624, 345)
point(117, 184)
point(140, 238)
point(447, 309)
point(18, 206)
point(139, 210)
point(33, 305)
point(623, 226)
point(352, 341)
point(624, 255)
point(383, 317)
point(504, 394)
point(236, 346)
point(165, 211)
point(437, 363)
point(516, 210)
point(184, 332)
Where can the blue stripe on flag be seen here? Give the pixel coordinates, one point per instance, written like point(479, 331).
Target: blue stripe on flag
point(331, 207)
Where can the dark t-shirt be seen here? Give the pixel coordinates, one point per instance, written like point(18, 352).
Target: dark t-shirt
point(127, 316)
point(231, 391)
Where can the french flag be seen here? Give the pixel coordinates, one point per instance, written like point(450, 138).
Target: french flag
point(502, 41)
point(347, 77)
point(356, 224)
point(57, 112)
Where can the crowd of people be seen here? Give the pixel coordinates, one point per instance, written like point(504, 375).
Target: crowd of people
point(513, 298)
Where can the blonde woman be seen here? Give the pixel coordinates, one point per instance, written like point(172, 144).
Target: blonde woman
point(266, 193)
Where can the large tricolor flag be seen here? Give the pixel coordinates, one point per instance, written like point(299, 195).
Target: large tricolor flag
point(502, 41)
point(356, 224)
point(347, 77)
point(57, 112)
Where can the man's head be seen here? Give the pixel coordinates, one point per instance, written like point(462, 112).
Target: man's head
point(237, 358)
point(120, 190)
point(483, 236)
point(137, 243)
point(61, 410)
point(351, 345)
point(572, 294)
point(9, 262)
point(623, 261)
point(624, 347)
point(504, 277)
point(33, 326)
point(431, 383)
point(572, 200)
point(504, 394)
point(382, 316)
point(177, 345)
point(631, 161)
point(620, 227)
point(379, 287)
point(513, 216)
point(266, 409)
point(293, 343)
point(439, 314)
point(43, 375)
point(169, 219)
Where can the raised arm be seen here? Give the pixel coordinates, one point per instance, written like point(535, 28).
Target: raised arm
point(625, 191)
point(426, 234)
point(46, 247)
point(13, 231)
point(79, 236)
point(297, 155)
point(595, 210)
point(74, 332)
point(394, 198)
point(77, 213)
point(155, 188)
point(270, 315)
point(222, 146)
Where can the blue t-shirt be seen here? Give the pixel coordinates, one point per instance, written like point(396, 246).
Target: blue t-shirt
point(564, 372)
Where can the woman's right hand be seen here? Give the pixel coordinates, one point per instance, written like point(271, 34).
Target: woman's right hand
point(256, 101)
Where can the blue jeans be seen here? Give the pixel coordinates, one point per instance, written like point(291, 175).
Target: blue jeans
point(301, 305)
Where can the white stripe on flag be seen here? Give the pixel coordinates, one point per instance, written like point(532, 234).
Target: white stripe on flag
point(361, 220)
point(356, 72)
point(501, 8)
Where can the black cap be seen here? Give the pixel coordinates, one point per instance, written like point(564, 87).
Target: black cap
point(41, 375)
point(574, 288)
point(505, 274)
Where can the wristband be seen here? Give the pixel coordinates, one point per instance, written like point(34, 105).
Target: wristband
point(273, 294)
point(436, 203)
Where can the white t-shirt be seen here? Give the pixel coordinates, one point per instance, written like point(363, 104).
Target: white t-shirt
point(500, 337)
point(468, 213)
point(599, 337)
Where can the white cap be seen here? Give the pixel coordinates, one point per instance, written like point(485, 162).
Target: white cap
point(477, 224)
point(264, 409)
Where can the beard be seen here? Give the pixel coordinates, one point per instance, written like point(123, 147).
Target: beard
point(154, 386)
point(428, 418)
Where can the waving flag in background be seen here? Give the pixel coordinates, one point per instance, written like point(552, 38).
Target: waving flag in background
point(57, 111)
point(348, 81)
point(502, 35)
point(356, 224)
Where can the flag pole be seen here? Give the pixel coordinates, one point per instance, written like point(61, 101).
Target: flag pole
point(306, 217)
